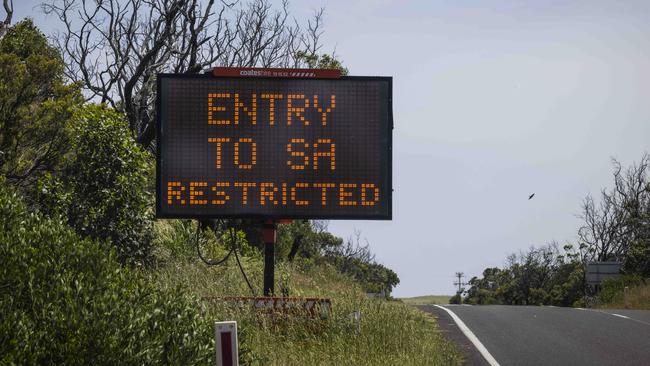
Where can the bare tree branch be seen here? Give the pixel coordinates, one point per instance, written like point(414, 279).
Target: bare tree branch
point(8, 6)
point(116, 48)
point(620, 218)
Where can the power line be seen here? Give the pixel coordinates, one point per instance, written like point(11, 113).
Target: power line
point(460, 282)
point(233, 249)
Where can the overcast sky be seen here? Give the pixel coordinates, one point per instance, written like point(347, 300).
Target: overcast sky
point(493, 100)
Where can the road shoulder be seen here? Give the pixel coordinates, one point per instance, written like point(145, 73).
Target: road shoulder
point(452, 332)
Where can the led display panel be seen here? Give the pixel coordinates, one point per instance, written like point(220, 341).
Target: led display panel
point(274, 147)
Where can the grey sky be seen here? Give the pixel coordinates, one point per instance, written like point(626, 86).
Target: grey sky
point(493, 100)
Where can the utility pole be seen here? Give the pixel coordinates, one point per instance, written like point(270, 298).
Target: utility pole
point(460, 282)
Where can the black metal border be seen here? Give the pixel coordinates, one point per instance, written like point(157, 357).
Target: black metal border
point(159, 134)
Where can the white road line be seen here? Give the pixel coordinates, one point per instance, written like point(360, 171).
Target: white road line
point(614, 314)
point(472, 338)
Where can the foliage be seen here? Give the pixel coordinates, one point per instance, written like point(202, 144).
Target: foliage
point(373, 277)
point(173, 241)
point(101, 189)
point(35, 105)
point(637, 260)
point(613, 289)
point(356, 260)
point(456, 299)
point(66, 300)
point(306, 239)
point(637, 295)
point(541, 276)
point(311, 240)
point(324, 61)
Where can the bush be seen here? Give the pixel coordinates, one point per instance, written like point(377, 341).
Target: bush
point(481, 297)
point(637, 260)
point(456, 299)
point(173, 241)
point(67, 300)
point(541, 276)
point(612, 289)
point(102, 188)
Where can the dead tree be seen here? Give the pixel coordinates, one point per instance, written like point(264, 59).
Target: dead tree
point(352, 249)
point(601, 229)
point(621, 216)
point(115, 48)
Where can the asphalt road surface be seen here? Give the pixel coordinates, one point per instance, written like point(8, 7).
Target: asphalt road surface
point(540, 335)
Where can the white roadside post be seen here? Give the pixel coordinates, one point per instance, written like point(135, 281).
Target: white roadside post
point(225, 336)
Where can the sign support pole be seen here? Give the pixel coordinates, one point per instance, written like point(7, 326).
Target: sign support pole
point(269, 231)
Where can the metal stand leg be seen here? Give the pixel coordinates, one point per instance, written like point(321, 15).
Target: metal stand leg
point(269, 236)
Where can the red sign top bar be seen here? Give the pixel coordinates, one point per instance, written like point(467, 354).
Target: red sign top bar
point(249, 72)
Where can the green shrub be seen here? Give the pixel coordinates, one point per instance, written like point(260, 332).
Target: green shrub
point(67, 300)
point(173, 240)
point(456, 299)
point(102, 188)
point(481, 297)
point(612, 289)
point(637, 260)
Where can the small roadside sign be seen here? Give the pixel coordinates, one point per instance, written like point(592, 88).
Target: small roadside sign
point(597, 272)
point(225, 335)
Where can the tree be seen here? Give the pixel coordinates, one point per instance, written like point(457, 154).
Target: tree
point(115, 48)
point(602, 227)
point(324, 61)
point(488, 289)
point(102, 188)
point(633, 186)
point(356, 259)
point(305, 239)
point(542, 275)
point(621, 220)
point(35, 105)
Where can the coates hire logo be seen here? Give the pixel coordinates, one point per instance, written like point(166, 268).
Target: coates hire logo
point(254, 73)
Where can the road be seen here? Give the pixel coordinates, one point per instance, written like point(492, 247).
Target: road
point(540, 335)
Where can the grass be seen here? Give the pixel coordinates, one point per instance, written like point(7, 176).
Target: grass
point(427, 300)
point(638, 297)
point(389, 332)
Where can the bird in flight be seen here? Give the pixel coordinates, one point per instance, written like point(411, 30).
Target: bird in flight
point(531, 196)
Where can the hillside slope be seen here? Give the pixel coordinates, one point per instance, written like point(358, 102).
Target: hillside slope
point(388, 333)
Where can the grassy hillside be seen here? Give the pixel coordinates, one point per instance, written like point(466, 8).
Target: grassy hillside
point(389, 333)
point(426, 300)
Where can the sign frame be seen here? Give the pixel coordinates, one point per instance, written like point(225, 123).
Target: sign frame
point(159, 153)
